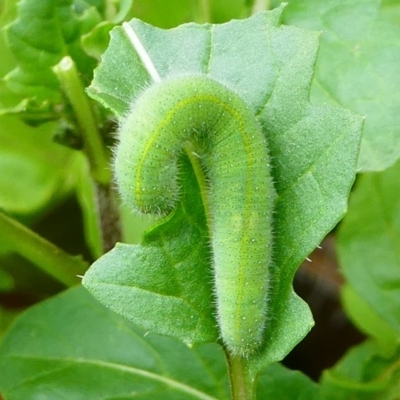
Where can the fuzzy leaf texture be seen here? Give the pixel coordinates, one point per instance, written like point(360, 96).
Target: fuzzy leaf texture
point(313, 151)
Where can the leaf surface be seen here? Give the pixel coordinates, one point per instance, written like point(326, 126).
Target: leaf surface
point(41, 36)
point(368, 244)
point(71, 347)
point(365, 373)
point(357, 67)
point(313, 151)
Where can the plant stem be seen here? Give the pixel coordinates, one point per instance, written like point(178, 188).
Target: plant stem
point(48, 257)
point(201, 11)
point(241, 387)
point(93, 144)
point(96, 152)
point(255, 6)
point(110, 224)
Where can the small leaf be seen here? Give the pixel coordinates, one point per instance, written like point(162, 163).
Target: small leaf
point(44, 32)
point(32, 112)
point(118, 10)
point(96, 41)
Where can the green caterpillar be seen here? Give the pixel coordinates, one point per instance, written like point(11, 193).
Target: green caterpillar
point(234, 156)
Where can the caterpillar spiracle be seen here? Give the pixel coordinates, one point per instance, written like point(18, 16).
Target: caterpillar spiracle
point(234, 157)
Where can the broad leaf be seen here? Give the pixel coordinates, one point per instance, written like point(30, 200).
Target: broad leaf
point(164, 284)
point(71, 347)
point(313, 149)
point(280, 383)
point(357, 67)
point(368, 244)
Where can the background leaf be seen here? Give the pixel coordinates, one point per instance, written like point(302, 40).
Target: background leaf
point(357, 67)
point(313, 149)
point(41, 36)
point(36, 176)
point(363, 374)
point(368, 243)
point(175, 12)
point(71, 347)
point(368, 320)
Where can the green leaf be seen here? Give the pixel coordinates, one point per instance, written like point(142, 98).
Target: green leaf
point(368, 243)
point(96, 41)
point(164, 285)
point(367, 320)
point(70, 347)
point(313, 149)
point(6, 318)
point(357, 68)
point(31, 112)
point(280, 383)
point(363, 374)
point(116, 11)
point(6, 281)
point(36, 175)
point(44, 32)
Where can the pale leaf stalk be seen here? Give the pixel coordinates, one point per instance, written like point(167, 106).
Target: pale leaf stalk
point(242, 388)
point(45, 255)
point(94, 148)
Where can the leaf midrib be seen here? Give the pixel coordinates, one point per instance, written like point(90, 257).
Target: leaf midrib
point(124, 368)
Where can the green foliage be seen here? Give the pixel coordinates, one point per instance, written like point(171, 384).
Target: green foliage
point(365, 373)
point(357, 68)
point(371, 228)
point(164, 284)
point(62, 360)
point(311, 190)
point(297, 82)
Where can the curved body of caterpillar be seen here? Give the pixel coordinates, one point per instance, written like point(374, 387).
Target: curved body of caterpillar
point(234, 155)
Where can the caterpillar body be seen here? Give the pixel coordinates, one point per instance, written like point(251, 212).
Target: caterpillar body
point(234, 156)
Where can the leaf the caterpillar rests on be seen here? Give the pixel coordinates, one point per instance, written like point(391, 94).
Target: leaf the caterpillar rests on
point(234, 156)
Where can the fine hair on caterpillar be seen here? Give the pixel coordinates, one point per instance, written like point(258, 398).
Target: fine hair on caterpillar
point(226, 137)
